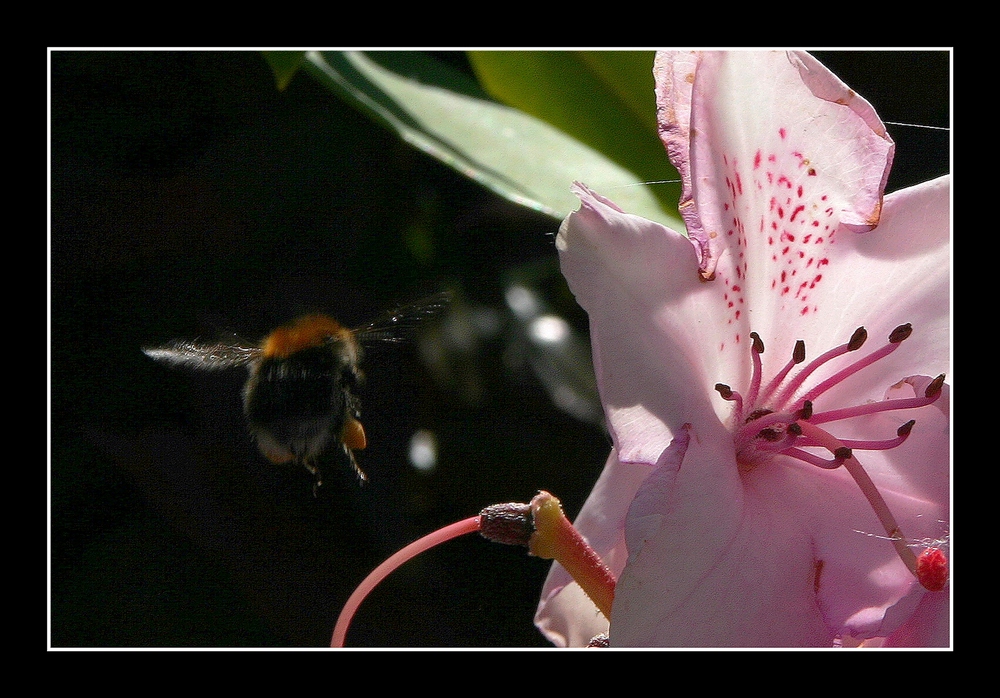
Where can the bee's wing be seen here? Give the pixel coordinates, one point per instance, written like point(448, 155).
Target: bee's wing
point(204, 356)
point(396, 325)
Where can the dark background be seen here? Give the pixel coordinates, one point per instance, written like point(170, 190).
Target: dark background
point(189, 195)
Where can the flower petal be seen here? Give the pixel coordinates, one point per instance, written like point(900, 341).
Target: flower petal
point(898, 273)
point(745, 129)
point(729, 565)
point(928, 626)
point(780, 160)
point(638, 281)
point(781, 555)
point(783, 168)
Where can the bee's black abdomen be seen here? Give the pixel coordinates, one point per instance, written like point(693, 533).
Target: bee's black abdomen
point(299, 402)
point(298, 387)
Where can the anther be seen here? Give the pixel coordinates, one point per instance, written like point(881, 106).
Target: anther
point(843, 453)
point(799, 352)
point(757, 414)
point(934, 387)
point(807, 410)
point(727, 394)
point(794, 429)
point(900, 333)
point(895, 337)
point(857, 339)
point(757, 346)
point(880, 444)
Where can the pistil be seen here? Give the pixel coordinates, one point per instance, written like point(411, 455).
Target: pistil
point(868, 489)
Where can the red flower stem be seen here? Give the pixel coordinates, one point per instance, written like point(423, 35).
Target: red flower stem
point(556, 538)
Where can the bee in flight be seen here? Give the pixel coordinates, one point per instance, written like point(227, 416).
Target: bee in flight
point(299, 399)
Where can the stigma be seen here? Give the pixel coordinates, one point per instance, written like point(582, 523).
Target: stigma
point(787, 416)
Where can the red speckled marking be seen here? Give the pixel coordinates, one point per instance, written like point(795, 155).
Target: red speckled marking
point(775, 197)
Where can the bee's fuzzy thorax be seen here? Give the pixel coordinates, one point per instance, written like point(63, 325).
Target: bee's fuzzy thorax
point(304, 333)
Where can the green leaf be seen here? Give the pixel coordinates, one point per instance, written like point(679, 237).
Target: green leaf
point(602, 98)
point(284, 65)
point(516, 154)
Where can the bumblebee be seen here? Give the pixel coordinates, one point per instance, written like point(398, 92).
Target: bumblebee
point(299, 399)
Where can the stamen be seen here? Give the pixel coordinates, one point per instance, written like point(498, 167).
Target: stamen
point(933, 388)
point(727, 393)
point(798, 356)
point(813, 459)
point(883, 406)
point(799, 352)
point(774, 426)
point(859, 337)
point(884, 444)
point(900, 333)
point(776, 441)
point(806, 411)
point(757, 348)
point(856, 341)
point(895, 338)
point(763, 425)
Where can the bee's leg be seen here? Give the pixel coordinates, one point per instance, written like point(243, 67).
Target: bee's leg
point(354, 464)
point(314, 471)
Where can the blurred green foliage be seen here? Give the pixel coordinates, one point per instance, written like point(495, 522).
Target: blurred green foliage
point(560, 117)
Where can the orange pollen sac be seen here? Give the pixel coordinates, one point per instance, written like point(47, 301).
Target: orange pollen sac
point(303, 333)
point(354, 435)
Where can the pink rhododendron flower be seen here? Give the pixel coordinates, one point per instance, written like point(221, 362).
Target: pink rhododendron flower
point(747, 408)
